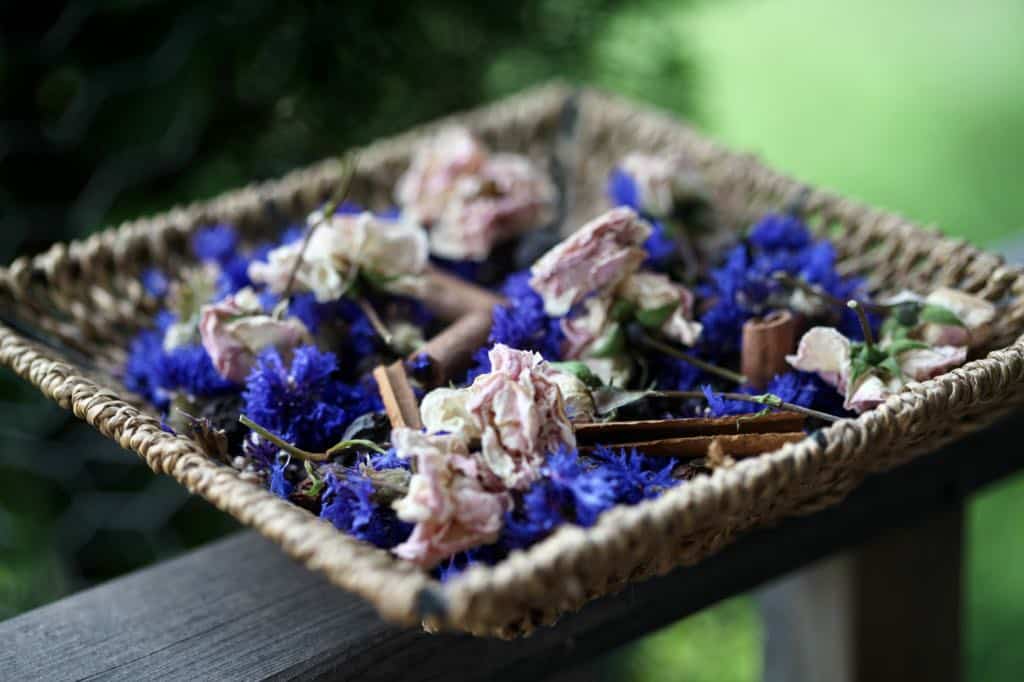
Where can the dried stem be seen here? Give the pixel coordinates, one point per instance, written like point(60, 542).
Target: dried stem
point(378, 325)
point(865, 326)
point(768, 400)
point(348, 172)
point(299, 453)
point(638, 334)
point(816, 291)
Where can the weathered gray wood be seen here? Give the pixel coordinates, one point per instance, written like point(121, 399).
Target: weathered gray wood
point(887, 610)
point(239, 609)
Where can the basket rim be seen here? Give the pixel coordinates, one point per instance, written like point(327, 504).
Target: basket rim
point(475, 600)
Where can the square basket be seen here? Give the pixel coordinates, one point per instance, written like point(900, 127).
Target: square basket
point(72, 311)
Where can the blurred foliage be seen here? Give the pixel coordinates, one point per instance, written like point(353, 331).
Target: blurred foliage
point(899, 104)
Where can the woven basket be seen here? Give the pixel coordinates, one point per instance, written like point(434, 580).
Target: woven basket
point(83, 303)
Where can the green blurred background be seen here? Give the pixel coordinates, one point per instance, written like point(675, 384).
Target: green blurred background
point(914, 106)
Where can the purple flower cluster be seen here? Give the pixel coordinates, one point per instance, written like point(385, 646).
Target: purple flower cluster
point(304, 403)
point(155, 373)
point(348, 504)
point(742, 286)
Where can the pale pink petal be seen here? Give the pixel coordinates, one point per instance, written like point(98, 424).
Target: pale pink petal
point(595, 258)
point(825, 351)
point(926, 363)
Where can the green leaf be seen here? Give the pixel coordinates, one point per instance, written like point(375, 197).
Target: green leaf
point(608, 400)
point(622, 311)
point(891, 367)
point(903, 345)
point(653, 318)
point(611, 343)
point(580, 371)
point(937, 314)
point(894, 329)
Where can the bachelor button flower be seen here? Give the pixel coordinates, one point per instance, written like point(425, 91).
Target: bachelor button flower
point(216, 244)
point(348, 504)
point(634, 476)
point(780, 231)
point(155, 282)
point(622, 189)
point(522, 323)
point(279, 484)
point(567, 492)
point(660, 247)
point(304, 403)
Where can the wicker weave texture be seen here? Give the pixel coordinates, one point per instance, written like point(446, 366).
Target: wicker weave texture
point(84, 301)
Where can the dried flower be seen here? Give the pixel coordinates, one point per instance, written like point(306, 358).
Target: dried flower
point(234, 332)
point(391, 254)
point(516, 411)
point(866, 375)
point(593, 259)
point(507, 196)
point(662, 304)
point(424, 189)
point(655, 184)
point(521, 413)
point(446, 500)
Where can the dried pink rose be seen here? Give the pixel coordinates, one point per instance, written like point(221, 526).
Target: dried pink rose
point(393, 254)
point(661, 181)
point(828, 353)
point(583, 330)
point(521, 415)
point(424, 189)
point(235, 331)
point(507, 196)
point(659, 298)
point(446, 500)
point(593, 259)
point(976, 313)
point(824, 351)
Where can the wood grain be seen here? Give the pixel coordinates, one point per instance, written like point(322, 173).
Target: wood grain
point(239, 609)
point(627, 431)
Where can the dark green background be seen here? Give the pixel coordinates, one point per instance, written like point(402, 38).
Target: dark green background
point(116, 109)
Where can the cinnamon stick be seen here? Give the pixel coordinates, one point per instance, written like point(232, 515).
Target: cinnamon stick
point(734, 445)
point(451, 351)
point(396, 393)
point(766, 342)
point(615, 433)
point(450, 297)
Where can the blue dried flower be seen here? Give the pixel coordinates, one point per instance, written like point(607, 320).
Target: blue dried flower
point(279, 484)
point(387, 460)
point(622, 189)
point(798, 388)
point(305, 404)
point(660, 246)
point(742, 286)
point(522, 323)
point(348, 504)
point(155, 282)
point(635, 476)
point(780, 231)
point(215, 244)
point(155, 373)
point(566, 492)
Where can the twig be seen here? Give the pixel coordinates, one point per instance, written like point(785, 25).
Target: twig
point(305, 454)
point(816, 291)
point(339, 196)
point(638, 334)
point(865, 326)
point(378, 324)
point(767, 400)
